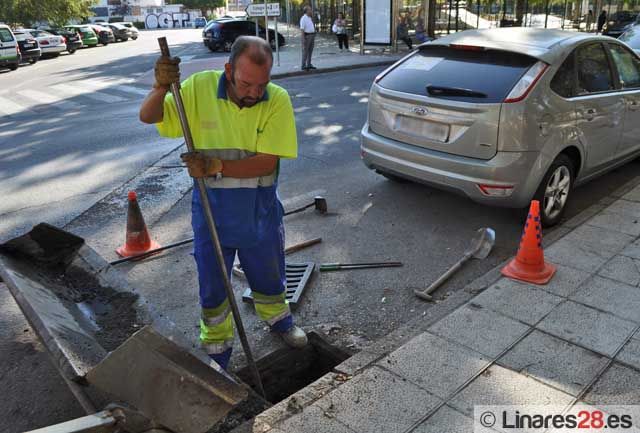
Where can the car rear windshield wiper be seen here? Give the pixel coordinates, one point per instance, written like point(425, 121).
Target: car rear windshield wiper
point(454, 91)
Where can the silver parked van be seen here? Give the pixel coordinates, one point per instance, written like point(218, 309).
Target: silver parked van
point(506, 115)
point(9, 50)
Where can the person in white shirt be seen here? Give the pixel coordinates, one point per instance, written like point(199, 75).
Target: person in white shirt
point(308, 31)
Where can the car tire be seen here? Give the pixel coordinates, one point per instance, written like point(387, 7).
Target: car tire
point(555, 190)
point(13, 67)
point(226, 46)
point(393, 177)
point(71, 51)
point(133, 39)
point(33, 61)
point(125, 39)
point(212, 48)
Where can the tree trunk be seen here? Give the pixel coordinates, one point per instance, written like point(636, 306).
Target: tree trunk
point(431, 16)
point(519, 12)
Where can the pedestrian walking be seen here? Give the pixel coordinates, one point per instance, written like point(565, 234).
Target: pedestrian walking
point(589, 20)
point(403, 32)
point(241, 126)
point(421, 34)
point(602, 19)
point(340, 29)
point(308, 34)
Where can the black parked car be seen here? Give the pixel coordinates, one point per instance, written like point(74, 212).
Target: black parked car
point(220, 34)
point(29, 47)
point(74, 40)
point(120, 32)
point(105, 34)
point(618, 22)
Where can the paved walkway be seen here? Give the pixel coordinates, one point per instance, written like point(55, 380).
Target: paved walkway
point(326, 57)
point(571, 343)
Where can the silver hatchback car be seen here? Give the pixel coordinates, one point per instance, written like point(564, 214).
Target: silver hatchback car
point(506, 115)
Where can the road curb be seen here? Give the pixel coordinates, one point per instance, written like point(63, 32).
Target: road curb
point(333, 69)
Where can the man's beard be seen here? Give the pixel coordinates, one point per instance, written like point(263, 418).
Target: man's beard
point(247, 101)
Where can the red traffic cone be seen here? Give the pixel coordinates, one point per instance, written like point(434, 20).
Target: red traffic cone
point(138, 240)
point(529, 264)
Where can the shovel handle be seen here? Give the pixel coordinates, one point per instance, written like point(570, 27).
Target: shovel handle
point(444, 277)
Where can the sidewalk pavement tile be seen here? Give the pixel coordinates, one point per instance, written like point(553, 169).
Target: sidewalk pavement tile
point(480, 329)
point(557, 363)
point(378, 400)
point(518, 301)
point(313, 420)
point(625, 207)
point(618, 385)
point(632, 250)
point(630, 354)
point(501, 386)
point(633, 195)
point(593, 329)
point(616, 221)
point(565, 281)
point(435, 364)
point(622, 268)
point(446, 420)
point(611, 296)
point(587, 247)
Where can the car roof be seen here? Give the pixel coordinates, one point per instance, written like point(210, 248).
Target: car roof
point(544, 44)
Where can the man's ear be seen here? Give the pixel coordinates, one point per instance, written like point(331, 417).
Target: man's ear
point(227, 71)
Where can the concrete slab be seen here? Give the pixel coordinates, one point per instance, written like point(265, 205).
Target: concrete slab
point(612, 296)
point(435, 364)
point(480, 329)
point(618, 385)
point(625, 207)
point(616, 221)
point(313, 420)
point(633, 195)
point(576, 255)
point(357, 362)
point(519, 301)
point(622, 268)
point(378, 400)
point(555, 362)
point(566, 281)
point(446, 420)
point(630, 354)
point(632, 250)
point(501, 386)
point(598, 238)
point(595, 330)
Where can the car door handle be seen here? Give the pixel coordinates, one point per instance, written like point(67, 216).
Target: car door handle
point(589, 114)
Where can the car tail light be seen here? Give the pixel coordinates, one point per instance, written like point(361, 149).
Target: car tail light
point(44, 42)
point(64, 40)
point(18, 49)
point(496, 190)
point(526, 83)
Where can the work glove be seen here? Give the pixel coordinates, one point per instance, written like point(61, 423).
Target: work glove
point(167, 71)
point(200, 165)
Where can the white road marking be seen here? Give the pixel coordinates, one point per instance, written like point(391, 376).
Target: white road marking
point(47, 98)
point(74, 90)
point(186, 58)
point(9, 107)
point(115, 85)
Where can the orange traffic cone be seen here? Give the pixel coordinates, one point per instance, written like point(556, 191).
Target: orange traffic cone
point(529, 264)
point(138, 240)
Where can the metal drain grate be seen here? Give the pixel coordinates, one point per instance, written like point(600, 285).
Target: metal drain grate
point(298, 275)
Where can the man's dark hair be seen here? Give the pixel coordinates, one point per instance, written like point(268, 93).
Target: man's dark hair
point(258, 50)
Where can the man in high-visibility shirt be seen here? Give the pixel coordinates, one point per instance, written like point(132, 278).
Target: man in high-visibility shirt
point(241, 126)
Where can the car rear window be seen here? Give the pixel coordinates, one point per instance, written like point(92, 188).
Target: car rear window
point(464, 75)
point(21, 36)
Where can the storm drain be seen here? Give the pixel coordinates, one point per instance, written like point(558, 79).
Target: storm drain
point(298, 275)
point(286, 371)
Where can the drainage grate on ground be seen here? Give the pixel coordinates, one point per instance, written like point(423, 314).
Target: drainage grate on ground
point(298, 275)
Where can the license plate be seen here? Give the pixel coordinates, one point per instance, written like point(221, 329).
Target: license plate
point(422, 128)
point(28, 45)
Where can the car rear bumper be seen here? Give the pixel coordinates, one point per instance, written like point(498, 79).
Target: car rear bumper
point(452, 172)
point(74, 45)
point(34, 53)
point(54, 49)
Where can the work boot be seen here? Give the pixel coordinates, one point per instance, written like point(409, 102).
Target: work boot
point(222, 359)
point(295, 337)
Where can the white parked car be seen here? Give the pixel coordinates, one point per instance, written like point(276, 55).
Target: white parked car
point(9, 51)
point(134, 30)
point(50, 44)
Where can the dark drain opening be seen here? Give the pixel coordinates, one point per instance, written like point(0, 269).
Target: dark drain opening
point(283, 373)
point(287, 371)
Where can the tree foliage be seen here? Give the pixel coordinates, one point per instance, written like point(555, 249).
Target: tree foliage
point(56, 12)
point(203, 5)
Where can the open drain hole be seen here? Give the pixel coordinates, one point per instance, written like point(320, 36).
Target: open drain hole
point(286, 371)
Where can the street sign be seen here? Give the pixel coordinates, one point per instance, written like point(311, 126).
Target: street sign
point(257, 9)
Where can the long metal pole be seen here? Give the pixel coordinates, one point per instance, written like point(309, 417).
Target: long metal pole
point(204, 198)
point(277, 42)
point(266, 22)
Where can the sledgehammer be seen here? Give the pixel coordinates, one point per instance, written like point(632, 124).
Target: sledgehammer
point(320, 204)
point(206, 206)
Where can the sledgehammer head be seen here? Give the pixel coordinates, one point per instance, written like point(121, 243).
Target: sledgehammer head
point(422, 295)
point(320, 204)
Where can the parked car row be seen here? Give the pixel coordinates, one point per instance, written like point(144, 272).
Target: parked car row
point(24, 45)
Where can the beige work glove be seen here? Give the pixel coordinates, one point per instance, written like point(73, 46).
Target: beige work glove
point(167, 71)
point(200, 165)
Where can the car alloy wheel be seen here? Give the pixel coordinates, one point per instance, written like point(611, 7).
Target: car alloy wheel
point(227, 46)
point(554, 190)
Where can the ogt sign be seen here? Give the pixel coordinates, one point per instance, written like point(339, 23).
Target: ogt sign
point(167, 20)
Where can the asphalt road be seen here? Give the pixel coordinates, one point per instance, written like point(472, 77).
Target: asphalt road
point(57, 161)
